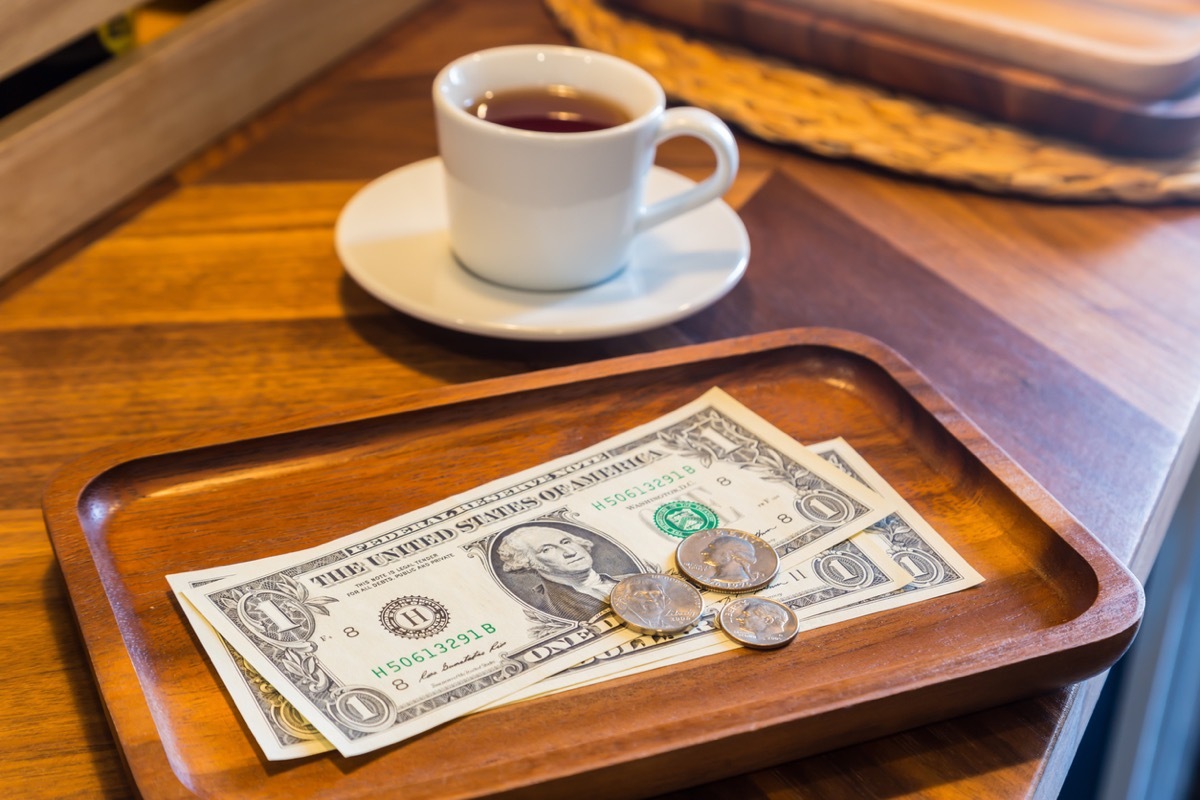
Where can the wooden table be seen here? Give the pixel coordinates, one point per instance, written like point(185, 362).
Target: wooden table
point(1068, 333)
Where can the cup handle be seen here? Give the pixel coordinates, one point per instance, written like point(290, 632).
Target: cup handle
point(707, 127)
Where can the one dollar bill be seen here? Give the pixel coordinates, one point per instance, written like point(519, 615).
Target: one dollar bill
point(421, 619)
point(850, 573)
point(280, 730)
point(903, 543)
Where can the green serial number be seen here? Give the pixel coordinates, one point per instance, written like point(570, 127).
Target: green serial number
point(434, 650)
point(644, 488)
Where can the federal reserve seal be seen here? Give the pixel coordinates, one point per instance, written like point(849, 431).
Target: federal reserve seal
point(682, 518)
point(414, 617)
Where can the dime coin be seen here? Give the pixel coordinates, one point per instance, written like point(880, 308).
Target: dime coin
point(759, 623)
point(656, 604)
point(727, 560)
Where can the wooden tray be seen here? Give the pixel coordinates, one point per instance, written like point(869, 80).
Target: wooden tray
point(1055, 607)
point(1160, 126)
point(1144, 48)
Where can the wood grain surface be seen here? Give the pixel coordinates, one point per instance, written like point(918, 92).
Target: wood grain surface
point(125, 122)
point(1160, 125)
point(30, 30)
point(1055, 606)
point(1068, 334)
point(1144, 49)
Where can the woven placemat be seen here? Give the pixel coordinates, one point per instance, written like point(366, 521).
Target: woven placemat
point(841, 118)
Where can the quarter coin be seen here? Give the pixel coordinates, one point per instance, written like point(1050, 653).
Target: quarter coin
point(727, 560)
point(758, 623)
point(656, 604)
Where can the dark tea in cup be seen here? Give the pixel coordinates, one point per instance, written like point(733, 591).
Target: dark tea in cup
point(549, 109)
point(532, 203)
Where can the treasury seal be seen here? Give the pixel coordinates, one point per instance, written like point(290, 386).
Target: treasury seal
point(414, 617)
point(682, 518)
point(727, 560)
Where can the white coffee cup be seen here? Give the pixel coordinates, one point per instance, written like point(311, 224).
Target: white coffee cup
point(559, 211)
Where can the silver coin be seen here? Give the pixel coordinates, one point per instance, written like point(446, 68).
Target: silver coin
point(656, 604)
point(759, 623)
point(727, 560)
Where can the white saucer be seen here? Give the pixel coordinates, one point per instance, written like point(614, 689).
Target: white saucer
point(392, 239)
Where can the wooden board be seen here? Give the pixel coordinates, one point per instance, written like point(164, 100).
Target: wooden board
point(30, 29)
point(1020, 95)
point(1055, 607)
point(89, 145)
point(1144, 48)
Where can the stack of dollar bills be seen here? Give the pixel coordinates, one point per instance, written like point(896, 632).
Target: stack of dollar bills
point(499, 593)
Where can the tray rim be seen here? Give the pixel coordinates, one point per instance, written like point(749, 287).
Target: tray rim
point(1114, 614)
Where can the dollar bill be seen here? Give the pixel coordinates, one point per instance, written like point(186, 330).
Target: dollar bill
point(281, 731)
point(935, 568)
point(848, 574)
point(925, 565)
point(415, 621)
